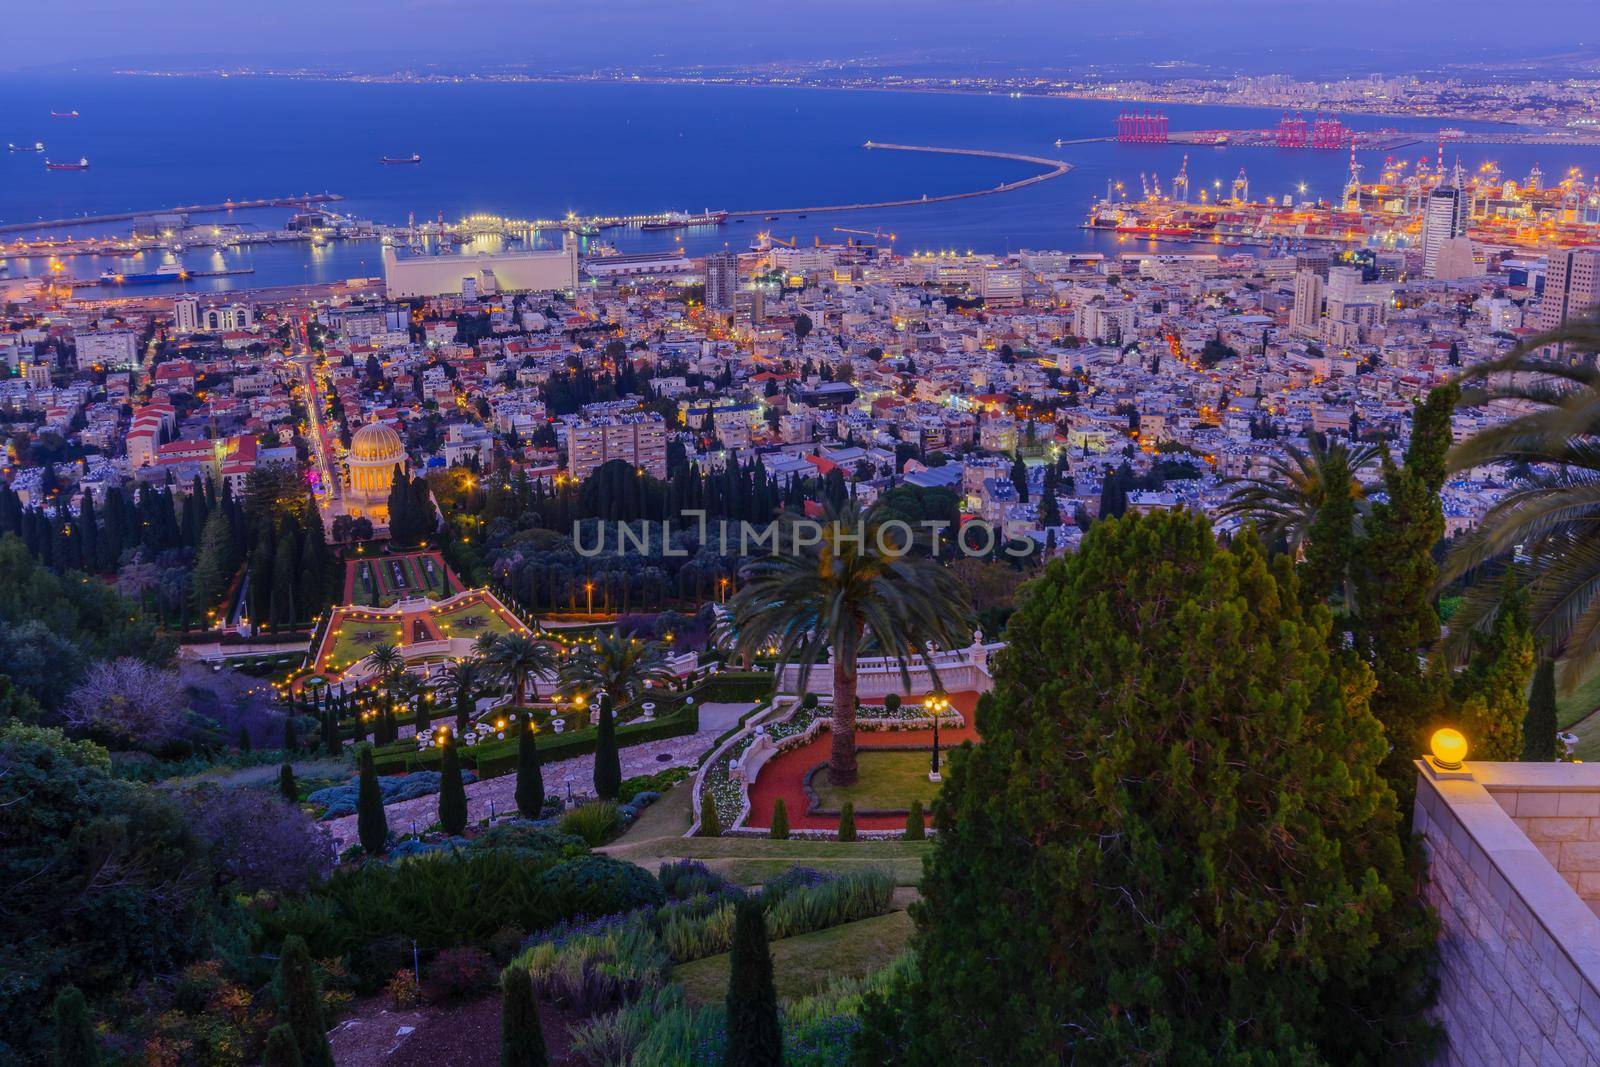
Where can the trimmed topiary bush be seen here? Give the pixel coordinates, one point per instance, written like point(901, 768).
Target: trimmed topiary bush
point(780, 821)
point(847, 821)
point(916, 830)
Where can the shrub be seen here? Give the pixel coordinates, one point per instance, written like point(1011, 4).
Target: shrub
point(780, 886)
point(710, 826)
point(682, 879)
point(403, 991)
point(521, 1035)
point(689, 936)
point(379, 959)
point(657, 1028)
point(506, 942)
point(75, 1041)
point(855, 896)
point(916, 830)
point(300, 1004)
point(595, 823)
point(596, 966)
point(891, 703)
point(780, 820)
point(255, 841)
point(659, 782)
point(809, 702)
point(460, 972)
point(543, 841)
point(600, 885)
point(847, 821)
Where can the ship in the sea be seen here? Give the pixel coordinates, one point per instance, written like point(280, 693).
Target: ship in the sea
point(678, 220)
point(390, 161)
point(63, 114)
point(37, 146)
point(81, 164)
point(167, 272)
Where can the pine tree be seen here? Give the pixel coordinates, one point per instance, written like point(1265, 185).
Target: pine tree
point(287, 786)
point(521, 1034)
point(300, 1003)
point(607, 761)
point(452, 794)
point(280, 1050)
point(916, 826)
point(372, 825)
point(530, 779)
point(755, 1038)
point(847, 821)
point(1277, 921)
point(780, 821)
point(1331, 537)
point(75, 1041)
point(1539, 728)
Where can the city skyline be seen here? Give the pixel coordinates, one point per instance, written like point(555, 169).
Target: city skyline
point(1254, 36)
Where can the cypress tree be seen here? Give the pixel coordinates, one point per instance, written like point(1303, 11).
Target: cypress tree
point(780, 821)
point(710, 825)
point(916, 829)
point(280, 1050)
point(284, 610)
point(847, 821)
point(213, 563)
point(521, 1034)
point(452, 794)
point(372, 825)
point(300, 1003)
point(1539, 728)
point(607, 762)
point(530, 778)
point(1301, 934)
point(755, 1038)
point(291, 739)
point(332, 743)
point(244, 738)
point(287, 785)
point(1397, 623)
point(75, 1041)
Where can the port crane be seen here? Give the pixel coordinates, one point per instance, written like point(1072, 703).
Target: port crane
point(1180, 184)
point(876, 234)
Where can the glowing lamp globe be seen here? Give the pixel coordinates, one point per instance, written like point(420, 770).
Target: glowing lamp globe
point(1449, 749)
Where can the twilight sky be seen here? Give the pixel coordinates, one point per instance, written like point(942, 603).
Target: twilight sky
point(1298, 36)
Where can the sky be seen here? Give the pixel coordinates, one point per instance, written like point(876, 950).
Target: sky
point(1297, 36)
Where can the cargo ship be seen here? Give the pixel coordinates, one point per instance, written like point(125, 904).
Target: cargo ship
point(390, 161)
point(37, 146)
point(167, 272)
point(677, 220)
point(81, 164)
point(63, 114)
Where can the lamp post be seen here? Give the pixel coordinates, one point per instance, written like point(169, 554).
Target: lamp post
point(936, 704)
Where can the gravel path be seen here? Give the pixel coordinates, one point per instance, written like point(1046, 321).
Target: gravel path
point(570, 777)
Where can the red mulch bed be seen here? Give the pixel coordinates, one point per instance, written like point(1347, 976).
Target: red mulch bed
point(459, 1034)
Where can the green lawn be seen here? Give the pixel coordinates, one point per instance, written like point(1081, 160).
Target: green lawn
point(806, 964)
point(453, 624)
point(889, 781)
point(658, 836)
point(351, 644)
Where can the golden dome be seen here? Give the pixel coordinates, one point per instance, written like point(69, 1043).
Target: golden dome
point(375, 442)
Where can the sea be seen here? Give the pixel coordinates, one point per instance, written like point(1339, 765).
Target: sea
point(541, 150)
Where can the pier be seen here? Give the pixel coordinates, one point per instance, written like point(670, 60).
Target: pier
point(1055, 168)
point(187, 209)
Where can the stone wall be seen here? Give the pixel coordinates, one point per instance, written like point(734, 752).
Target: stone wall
point(1519, 951)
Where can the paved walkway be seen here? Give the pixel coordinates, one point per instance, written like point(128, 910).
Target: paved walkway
point(784, 774)
point(574, 777)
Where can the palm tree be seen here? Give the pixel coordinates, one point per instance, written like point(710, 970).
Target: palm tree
point(463, 683)
point(617, 666)
point(1285, 502)
point(386, 661)
point(519, 658)
point(1551, 521)
point(838, 595)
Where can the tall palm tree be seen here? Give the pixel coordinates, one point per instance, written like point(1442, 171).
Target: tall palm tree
point(1285, 502)
point(1551, 521)
point(617, 666)
point(839, 595)
point(463, 683)
point(386, 661)
point(517, 658)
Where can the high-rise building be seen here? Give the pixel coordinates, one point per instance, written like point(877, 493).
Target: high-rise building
point(186, 314)
point(637, 439)
point(722, 280)
point(1445, 219)
point(1308, 290)
point(1571, 290)
point(1344, 287)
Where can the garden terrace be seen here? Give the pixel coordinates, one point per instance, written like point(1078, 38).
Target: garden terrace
point(380, 581)
point(424, 634)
